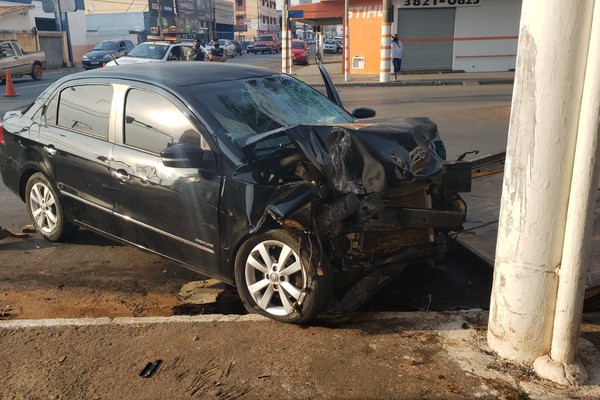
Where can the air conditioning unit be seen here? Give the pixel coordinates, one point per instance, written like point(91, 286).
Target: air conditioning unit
point(358, 63)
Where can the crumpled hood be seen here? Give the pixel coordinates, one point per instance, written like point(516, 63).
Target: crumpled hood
point(367, 158)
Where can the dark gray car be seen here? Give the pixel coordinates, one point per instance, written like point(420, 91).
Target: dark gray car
point(105, 51)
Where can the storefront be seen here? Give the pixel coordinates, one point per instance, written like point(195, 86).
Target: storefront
point(439, 35)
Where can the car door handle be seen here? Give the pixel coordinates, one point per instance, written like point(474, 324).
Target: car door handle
point(50, 150)
point(122, 175)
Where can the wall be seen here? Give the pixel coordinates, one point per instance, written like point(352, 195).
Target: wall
point(364, 20)
point(495, 28)
point(77, 28)
point(16, 22)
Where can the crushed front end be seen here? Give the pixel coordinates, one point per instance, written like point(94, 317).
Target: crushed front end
point(372, 195)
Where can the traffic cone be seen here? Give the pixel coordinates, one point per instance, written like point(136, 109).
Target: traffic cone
point(10, 88)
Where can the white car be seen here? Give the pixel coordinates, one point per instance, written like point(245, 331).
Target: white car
point(331, 46)
point(155, 51)
point(226, 45)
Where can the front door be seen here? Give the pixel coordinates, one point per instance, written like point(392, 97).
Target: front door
point(172, 211)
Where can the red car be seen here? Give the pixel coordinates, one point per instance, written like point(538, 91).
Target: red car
point(299, 52)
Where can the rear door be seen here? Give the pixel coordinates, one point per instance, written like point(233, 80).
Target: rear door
point(172, 211)
point(74, 136)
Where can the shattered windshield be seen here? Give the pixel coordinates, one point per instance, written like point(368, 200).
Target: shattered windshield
point(245, 108)
point(149, 50)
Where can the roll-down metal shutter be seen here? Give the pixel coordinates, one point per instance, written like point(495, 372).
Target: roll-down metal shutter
point(429, 23)
point(51, 44)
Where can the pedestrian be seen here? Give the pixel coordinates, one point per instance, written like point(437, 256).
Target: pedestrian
point(217, 53)
point(397, 49)
point(196, 53)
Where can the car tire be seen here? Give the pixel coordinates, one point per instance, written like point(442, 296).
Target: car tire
point(37, 72)
point(45, 209)
point(295, 292)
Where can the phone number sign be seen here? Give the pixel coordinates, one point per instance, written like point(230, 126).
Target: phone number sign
point(439, 3)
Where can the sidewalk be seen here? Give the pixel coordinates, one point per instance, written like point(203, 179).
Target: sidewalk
point(311, 75)
point(418, 355)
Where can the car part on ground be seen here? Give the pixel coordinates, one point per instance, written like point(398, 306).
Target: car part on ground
point(255, 178)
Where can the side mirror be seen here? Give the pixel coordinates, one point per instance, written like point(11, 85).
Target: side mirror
point(185, 156)
point(363, 112)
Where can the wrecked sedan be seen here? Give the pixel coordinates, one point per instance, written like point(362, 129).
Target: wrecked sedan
point(237, 172)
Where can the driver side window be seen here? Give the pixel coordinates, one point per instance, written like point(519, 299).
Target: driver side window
point(153, 123)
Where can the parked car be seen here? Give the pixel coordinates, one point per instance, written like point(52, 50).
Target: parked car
point(20, 62)
point(155, 50)
point(299, 52)
point(331, 46)
point(267, 43)
point(227, 46)
point(249, 47)
point(104, 52)
point(238, 172)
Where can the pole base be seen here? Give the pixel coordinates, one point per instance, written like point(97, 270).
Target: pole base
point(564, 374)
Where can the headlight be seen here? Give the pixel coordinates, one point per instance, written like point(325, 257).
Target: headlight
point(85, 57)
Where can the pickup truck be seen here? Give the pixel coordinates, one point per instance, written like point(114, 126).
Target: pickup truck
point(266, 43)
point(20, 63)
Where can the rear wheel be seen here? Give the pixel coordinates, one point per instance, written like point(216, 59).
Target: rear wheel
point(45, 209)
point(283, 276)
point(37, 72)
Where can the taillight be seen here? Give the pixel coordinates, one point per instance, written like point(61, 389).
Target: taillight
point(2, 141)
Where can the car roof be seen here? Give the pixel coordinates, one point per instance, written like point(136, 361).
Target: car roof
point(177, 74)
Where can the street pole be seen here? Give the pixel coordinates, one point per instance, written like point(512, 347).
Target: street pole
point(286, 64)
point(346, 43)
point(549, 187)
point(384, 53)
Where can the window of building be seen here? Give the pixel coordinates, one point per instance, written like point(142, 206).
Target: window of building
point(240, 2)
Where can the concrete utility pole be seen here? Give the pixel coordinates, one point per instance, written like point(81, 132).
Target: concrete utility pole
point(549, 189)
point(346, 42)
point(384, 53)
point(286, 57)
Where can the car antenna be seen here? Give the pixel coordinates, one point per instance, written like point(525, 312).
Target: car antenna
point(113, 58)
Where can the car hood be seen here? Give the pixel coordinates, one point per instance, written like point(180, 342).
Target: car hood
point(370, 158)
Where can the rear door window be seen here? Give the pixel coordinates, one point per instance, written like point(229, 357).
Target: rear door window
point(84, 108)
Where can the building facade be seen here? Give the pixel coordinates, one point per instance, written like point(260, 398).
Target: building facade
point(440, 35)
point(254, 18)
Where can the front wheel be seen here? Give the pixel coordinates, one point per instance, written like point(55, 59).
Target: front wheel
point(45, 209)
point(283, 276)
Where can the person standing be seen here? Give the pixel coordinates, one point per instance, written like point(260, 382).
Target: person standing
point(195, 53)
point(217, 53)
point(397, 49)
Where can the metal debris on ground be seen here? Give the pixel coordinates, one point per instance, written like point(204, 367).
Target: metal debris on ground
point(4, 233)
point(201, 292)
point(150, 368)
